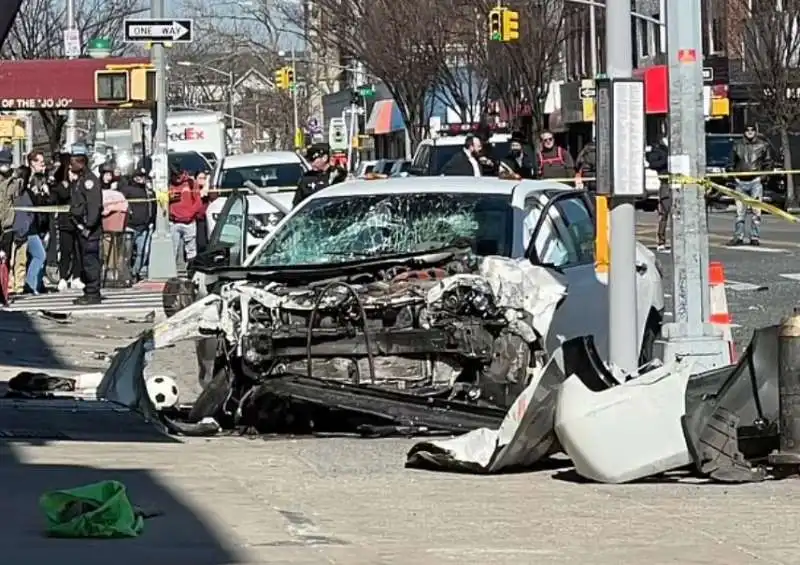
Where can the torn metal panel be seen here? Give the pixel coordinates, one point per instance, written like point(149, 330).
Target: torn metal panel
point(524, 437)
point(720, 403)
point(394, 408)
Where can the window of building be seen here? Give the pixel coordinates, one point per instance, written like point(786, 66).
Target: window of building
point(644, 38)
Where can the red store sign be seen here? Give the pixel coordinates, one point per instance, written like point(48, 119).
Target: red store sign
point(656, 88)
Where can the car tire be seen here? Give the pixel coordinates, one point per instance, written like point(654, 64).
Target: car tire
point(213, 398)
point(178, 294)
point(652, 331)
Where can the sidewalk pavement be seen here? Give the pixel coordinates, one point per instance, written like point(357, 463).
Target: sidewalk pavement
point(351, 502)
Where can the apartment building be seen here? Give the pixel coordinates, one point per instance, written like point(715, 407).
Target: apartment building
point(585, 60)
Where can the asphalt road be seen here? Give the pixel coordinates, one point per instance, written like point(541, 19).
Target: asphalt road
point(762, 283)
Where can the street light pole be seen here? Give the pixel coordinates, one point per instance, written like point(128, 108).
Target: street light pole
point(72, 115)
point(623, 327)
point(231, 105)
point(162, 265)
point(690, 334)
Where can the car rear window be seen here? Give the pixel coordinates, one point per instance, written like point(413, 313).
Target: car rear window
point(263, 176)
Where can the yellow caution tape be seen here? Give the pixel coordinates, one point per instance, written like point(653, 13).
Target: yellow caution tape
point(162, 197)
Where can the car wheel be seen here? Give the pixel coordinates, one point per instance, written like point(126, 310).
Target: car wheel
point(652, 331)
point(178, 294)
point(213, 398)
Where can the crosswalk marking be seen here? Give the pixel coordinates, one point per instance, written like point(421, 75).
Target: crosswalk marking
point(116, 302)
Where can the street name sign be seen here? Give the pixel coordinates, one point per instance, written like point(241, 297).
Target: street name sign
point(143, 31)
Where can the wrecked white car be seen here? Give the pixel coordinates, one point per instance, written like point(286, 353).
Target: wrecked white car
point(447, 290)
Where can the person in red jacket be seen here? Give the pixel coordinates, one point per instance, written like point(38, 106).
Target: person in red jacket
point(202, 181)
point(185, 204)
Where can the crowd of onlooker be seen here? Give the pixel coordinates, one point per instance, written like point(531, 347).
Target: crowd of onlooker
point(43, 211)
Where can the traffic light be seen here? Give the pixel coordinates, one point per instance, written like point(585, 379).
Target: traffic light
point(282, 79)
point(510, 25)
point(290, 77)
point(496, 24)
point(143, 85)
point(111, 87)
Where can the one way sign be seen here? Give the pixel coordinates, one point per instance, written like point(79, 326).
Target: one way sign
point(142, 31)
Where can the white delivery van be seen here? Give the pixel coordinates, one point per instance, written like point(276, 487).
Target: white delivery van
point(201, 132)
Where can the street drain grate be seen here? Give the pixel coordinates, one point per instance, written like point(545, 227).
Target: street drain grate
point(31, 434)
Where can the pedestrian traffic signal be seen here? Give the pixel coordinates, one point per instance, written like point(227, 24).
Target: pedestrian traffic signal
point(143, 85)
point(111, 87)
point(496, 24)
point(510, 25)
point(282, 79)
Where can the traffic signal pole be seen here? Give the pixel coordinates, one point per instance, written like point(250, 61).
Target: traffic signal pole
point(72, 115)
point(162, 255)
point(689, 334)
point(623, 326)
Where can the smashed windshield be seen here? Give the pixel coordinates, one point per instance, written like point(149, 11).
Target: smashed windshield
point(349, 228)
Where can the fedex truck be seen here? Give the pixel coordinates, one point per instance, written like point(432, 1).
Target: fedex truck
point(201, 132)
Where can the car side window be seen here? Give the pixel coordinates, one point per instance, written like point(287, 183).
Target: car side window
point(422, 159)
point(580, 228)
point(553, 246)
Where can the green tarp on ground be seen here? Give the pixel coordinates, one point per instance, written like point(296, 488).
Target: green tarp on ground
point(99, 510)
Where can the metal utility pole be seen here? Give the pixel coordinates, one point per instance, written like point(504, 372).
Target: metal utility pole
point(690, 334)
point(294, 100)
point(623, 326)
point(162, 255)
point(72, 115)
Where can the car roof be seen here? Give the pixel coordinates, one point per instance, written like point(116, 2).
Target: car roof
point(405, 185)
point(256, 159)
point(448, 140)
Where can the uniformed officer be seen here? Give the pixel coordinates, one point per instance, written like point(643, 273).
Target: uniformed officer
point(320, 175)
point(86, 213)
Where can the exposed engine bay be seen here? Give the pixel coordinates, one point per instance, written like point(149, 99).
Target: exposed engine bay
point(456, 330)
point(449, 326)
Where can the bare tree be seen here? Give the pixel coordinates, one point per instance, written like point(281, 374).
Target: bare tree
point(461, 83)
point(519, 73)
point(770, 53)
point(397, 43)
point(36, 34)
point(242, 38)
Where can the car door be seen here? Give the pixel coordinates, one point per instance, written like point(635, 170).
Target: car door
point(227, 243)
point(563, 238)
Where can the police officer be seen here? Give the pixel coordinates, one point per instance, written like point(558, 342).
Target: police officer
point(320, 175)
point(86, 213)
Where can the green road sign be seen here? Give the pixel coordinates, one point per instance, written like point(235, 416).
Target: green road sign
point(366, 90)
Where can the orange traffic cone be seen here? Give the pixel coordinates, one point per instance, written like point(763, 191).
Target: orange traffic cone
point(718, 303)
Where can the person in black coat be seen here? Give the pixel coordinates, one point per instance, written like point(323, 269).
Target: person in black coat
point(657, 156)
point(86, 214)
point(320, 175)
point(465, 163)
point(519, 161)
point(141, 219)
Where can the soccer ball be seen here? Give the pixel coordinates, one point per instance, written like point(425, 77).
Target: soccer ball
point(163, 392)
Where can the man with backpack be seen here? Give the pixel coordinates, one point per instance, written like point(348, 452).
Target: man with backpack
point(554, 161)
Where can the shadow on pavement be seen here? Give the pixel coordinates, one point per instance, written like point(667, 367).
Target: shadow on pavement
point(23, 345)
point(178, 536)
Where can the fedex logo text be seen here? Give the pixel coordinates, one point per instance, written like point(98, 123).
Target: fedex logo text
point(187, 134)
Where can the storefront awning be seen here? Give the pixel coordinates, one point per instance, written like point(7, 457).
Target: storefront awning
point(385, 118)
